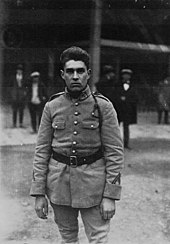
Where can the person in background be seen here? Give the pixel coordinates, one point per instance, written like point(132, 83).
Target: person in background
point(36, 97)
point(18, 96)
point(106, 84)
point(126, 104)
point(78, 156)
point(163, 105)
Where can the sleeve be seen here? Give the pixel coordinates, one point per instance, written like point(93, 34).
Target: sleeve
point(42, 154)
point(113, 152)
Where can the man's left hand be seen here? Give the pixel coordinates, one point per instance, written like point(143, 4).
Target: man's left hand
point(107, 208)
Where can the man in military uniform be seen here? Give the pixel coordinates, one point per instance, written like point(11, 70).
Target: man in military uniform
point(78, 156)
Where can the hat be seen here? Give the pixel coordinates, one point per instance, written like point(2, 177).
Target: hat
point(20, 66)
point(35, 73)
point(127, 71)
point(108, 69)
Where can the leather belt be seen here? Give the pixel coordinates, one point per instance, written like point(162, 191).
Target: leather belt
point(75, 161)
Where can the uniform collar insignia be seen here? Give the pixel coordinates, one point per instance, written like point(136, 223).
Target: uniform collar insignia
point(85, 93)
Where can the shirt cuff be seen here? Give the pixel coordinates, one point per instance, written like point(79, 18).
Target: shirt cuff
point(37, 188)
point(112, 191)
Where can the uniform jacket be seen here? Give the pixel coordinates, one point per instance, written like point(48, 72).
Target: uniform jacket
point(127, 108)
point(69, 128)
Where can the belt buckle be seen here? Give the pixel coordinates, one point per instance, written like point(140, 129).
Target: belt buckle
point(73, 161)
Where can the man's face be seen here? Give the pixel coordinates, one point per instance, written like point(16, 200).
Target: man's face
point(126, 76)
point(19, 71)
point(35, 79)
point(76, 75)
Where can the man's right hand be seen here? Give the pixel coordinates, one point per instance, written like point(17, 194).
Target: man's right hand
point(41, 207)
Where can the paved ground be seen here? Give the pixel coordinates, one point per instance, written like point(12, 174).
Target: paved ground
point(142, 214)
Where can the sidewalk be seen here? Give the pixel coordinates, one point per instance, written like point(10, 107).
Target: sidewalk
point(146, 128)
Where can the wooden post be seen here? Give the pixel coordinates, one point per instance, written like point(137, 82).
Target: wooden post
point(3, 19)
point(168, 71)
point(95, 37)
point(118, 68)
point(51, 60)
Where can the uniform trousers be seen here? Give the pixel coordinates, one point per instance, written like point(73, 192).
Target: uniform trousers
point(96, 228)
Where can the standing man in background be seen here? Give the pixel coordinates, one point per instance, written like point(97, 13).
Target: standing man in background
point(18, 96)
point(107, 84)
point(37, 97)
point(126, 104)
point(163, 101)
point(78, 156)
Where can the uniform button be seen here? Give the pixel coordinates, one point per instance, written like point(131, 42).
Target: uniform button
point(73, 151)
point(74, 142)
point(76, 104)
point(75, 122)
point(76, 113)
point(75, 132)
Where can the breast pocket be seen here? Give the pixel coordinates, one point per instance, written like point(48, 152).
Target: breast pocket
point(59, 125)
point(59, 129)
point(90, 125)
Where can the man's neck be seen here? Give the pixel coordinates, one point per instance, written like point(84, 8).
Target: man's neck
point(76, 94)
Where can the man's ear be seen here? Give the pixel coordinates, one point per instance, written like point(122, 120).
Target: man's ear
point(89, 72)
point(62, 73)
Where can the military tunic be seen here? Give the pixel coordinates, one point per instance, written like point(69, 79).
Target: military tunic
point(71, 127)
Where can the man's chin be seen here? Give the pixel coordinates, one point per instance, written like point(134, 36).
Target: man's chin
point(76, 89)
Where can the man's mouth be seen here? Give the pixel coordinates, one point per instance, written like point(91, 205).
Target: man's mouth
point(75, 84)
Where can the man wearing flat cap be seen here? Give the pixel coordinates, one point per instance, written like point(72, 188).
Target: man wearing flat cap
point(126, 104)
point(37, 96)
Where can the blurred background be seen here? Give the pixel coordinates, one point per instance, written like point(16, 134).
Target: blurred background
point(125, 34)
point(122, 33)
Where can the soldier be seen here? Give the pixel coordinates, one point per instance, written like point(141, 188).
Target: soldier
point(78, 156)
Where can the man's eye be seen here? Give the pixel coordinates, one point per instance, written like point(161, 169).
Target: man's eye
point(69, 71)
point(80, 71)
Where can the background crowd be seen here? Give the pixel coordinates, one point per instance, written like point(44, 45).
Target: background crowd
point(32, 92)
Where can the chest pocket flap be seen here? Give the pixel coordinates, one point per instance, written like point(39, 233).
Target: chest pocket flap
point(90, 125)
point(59, 125)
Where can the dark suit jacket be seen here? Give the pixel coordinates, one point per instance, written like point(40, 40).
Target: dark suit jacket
point(126, 109)
point(18, 94)
point(42, 92)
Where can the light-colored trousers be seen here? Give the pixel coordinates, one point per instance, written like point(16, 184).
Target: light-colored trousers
point(66, 218)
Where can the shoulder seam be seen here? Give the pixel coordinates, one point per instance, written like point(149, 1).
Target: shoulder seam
point(101, 96)
point(55, 96)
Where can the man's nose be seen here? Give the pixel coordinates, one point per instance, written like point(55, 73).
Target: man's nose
point(75, 75)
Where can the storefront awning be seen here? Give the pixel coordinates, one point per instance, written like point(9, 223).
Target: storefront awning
point(148, 47)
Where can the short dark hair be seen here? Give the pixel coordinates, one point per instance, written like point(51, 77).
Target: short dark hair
point(75, 53)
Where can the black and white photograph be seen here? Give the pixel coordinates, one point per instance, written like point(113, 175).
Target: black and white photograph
point(85, 121)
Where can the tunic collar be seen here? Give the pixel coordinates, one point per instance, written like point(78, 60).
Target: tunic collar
point(84, 94)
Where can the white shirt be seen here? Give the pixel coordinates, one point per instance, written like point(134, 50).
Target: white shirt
point(126, 86)
point(35, 99)
point(19, 77)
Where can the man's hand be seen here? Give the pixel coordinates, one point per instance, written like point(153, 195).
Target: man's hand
point(41, 207)
point(107, 208)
